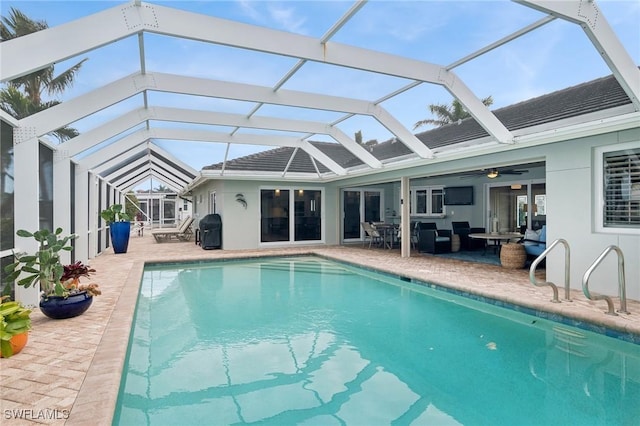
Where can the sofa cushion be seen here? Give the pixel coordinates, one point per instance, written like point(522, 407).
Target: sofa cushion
point(543, 235)
point(531, 237)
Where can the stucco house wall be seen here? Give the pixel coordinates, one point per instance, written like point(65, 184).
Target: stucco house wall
point(241, 226)
point(572, 203)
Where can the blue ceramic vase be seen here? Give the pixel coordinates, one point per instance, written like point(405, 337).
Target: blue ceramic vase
point(120, 236)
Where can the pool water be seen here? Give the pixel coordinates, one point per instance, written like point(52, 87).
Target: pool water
point(309, 341)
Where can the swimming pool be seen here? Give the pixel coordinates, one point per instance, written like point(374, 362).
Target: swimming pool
point(310, 341)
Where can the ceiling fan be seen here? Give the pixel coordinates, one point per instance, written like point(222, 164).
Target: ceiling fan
point(494, 172)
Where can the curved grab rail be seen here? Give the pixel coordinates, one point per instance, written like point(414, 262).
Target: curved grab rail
point(543, 255)
point(621, 282)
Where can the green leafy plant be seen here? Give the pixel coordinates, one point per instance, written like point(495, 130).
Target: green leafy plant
point(14, 319)
point(44, 265)
point(114, 214)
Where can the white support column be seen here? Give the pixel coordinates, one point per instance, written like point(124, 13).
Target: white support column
point(106, 197)
point(62, 197)
point(27, 208)
point(93, 215)
point(405, 218)
point(82, 203)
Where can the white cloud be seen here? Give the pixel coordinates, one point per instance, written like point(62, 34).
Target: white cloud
point(250, 11)
point(287, 18)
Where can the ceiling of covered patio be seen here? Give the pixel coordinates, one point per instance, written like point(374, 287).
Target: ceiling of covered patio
point(153, 118)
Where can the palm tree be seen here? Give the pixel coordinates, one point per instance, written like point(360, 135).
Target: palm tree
point(23, 96)
point(162, 188)
point(448, 114)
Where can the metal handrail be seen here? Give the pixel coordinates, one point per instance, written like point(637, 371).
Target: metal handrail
point(621, 282)
point(543, 255)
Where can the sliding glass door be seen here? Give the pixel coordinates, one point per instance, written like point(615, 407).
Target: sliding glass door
point(516, 206)
point(278, 225)
point(359, 205)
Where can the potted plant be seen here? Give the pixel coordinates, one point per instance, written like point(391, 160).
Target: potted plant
point(60, 298)
point(71, 278)
point(119, 227)
point(15, 323)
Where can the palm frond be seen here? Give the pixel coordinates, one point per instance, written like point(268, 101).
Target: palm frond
point(64, 80)
point(448, 114)
point(17, 24)
point(15, 103)
point(65, 133)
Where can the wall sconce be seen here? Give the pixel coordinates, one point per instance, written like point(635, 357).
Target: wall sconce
point(492, 174)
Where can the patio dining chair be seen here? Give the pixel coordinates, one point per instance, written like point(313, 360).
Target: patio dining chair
point(371, 234)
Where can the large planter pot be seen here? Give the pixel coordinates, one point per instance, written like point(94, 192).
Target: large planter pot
point(120, 236)
point(17, 342)
point(59, 307)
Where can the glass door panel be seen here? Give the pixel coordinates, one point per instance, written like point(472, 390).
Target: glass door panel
point(307, 221)
point(351, 222)
point(372, 206)
point(274, 223)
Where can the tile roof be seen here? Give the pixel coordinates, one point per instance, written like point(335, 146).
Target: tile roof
point(592, 96)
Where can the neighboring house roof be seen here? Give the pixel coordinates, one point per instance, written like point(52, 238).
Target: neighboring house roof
point(596, 95)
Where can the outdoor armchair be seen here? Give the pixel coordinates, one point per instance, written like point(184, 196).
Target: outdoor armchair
point(433, 240)
point(463, 229)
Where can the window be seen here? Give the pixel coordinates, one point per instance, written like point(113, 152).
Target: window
point(213, 207)
point(427, 201)
point(621, 189)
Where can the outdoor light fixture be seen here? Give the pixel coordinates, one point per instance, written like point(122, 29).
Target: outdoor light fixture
point(492, 174)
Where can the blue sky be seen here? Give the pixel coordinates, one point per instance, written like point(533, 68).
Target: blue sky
point(554, 57)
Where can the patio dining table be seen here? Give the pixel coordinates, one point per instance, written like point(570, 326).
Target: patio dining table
point(496, 238)
point(389, 232)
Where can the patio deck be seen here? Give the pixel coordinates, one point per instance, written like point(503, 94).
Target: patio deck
point(69, 372)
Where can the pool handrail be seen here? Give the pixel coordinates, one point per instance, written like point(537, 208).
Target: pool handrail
point(621, 282)
point(543, 255)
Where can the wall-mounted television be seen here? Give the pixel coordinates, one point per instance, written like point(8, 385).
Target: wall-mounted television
point(458, 196)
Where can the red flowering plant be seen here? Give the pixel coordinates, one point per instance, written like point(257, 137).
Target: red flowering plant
point(71, 278)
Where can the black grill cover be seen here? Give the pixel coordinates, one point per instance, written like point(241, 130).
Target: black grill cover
point(211, 231)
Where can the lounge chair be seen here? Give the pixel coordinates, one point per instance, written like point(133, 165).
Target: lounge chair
point(183, 232)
